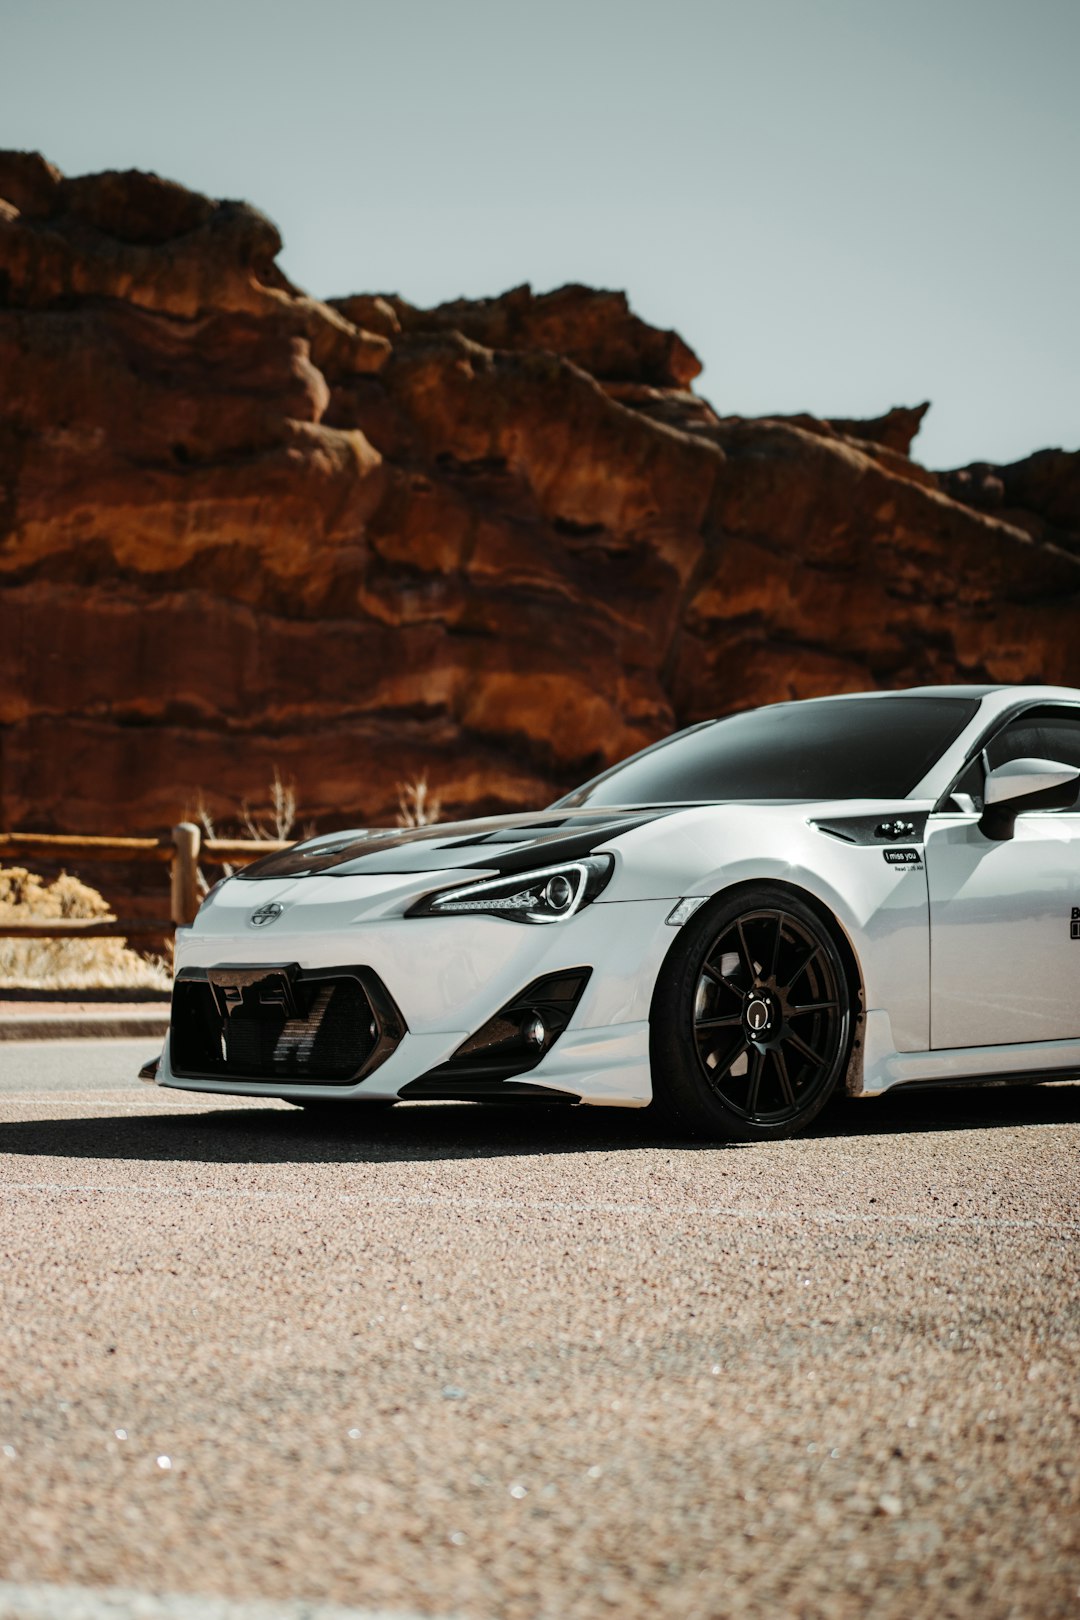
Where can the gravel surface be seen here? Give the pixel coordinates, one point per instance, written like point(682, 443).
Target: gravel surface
point(519, 1364)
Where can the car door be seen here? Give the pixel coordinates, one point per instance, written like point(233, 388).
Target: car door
point(1004, 935)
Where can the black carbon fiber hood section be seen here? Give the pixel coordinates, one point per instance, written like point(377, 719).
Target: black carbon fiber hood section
point(495, 844)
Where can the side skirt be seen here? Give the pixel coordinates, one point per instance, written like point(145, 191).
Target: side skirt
point(883, 1067)
point(1042, 1078)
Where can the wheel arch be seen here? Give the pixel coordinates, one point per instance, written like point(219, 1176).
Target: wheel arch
point(827, 916)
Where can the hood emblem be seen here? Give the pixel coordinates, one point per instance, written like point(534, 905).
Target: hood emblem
point(266, 914)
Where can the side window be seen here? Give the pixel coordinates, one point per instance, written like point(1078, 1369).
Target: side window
point(1044, 734)
point(1038, 734)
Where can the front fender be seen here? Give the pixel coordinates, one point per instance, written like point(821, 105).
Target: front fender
point(882, 909)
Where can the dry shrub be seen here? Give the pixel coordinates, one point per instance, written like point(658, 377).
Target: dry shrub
point(281, 816)
point(66, 964)
point(277, 821)
point(417, 805)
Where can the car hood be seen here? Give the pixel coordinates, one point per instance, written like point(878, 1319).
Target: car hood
point(508, 844)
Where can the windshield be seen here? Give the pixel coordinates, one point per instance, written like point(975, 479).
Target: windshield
point(835, 748)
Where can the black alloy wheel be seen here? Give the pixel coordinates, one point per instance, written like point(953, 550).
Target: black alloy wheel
point(752, 1018)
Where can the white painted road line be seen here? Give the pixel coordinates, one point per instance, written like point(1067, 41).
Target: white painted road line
point(38, 1601)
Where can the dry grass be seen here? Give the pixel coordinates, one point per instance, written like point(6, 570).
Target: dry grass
point(77, 964)
point(417, 805)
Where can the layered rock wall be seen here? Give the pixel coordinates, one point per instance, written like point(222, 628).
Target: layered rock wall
point(501, 543)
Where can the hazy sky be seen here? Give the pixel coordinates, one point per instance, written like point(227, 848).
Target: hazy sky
point(840, 204)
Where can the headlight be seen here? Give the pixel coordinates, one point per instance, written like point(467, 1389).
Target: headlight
point(547, 896)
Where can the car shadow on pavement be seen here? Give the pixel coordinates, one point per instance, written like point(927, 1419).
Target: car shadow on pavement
point(438, 1131)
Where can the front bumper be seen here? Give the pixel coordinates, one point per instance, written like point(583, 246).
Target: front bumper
point(448, 976)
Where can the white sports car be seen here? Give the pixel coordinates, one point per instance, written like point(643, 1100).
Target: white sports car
point(859, 891)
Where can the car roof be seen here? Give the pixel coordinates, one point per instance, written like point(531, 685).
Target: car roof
point(960, 691)
point(975, 692)
point(992, 702)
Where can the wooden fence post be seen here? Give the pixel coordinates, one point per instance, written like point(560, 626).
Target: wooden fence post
point(187, 840)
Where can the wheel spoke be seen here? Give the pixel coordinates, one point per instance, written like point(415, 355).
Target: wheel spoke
point(757, 1064)
point(747, 958)
point(703, 1024)
point(785, 1078)
point(815, 950)
point(802, 1046)
point(812, 1007)
point(717, 977)
point(732, 1057)
point(780, 920)
point(728, 1056)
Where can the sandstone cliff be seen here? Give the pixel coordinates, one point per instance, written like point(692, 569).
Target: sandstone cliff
point(502, 542)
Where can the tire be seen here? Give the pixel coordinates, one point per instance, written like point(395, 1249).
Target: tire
point(752, 1019)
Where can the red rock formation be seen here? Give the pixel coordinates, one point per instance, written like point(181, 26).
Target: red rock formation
point(499, 542)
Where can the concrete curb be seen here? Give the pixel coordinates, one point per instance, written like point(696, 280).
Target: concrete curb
point(38, 1601)
point(105, 1025)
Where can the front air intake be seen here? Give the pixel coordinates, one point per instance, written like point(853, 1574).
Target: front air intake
point(278, 1021)
point(510, 1044)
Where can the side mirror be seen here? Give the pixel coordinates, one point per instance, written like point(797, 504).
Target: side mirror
point(1025, 784)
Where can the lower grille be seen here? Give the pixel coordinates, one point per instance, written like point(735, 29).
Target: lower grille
point(278, 1021)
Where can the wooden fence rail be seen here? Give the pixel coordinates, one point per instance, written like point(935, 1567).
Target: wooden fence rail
point(185, 849)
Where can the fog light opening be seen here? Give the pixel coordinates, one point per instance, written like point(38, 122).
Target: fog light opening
point(523, 1032)
point(534, 1031)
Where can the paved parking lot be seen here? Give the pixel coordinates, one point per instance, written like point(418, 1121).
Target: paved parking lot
point(509, 1364)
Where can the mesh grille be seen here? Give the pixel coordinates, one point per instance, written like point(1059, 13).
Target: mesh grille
point(273, 1025)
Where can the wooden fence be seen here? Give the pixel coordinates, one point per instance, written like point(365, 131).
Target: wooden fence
point(184, 850)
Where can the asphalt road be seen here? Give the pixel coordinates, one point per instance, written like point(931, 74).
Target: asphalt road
point(500, 1363)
